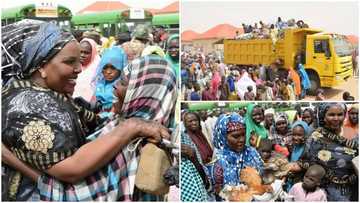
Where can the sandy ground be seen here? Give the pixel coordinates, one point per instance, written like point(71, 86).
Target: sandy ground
point(335, 93)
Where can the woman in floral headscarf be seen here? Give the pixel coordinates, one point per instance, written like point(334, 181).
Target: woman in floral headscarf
point(232, 153)
point(329, 149)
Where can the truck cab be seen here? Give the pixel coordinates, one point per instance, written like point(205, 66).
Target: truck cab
point(328, 60)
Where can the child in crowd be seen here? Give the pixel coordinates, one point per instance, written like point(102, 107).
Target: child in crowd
point(309, 190)
point(195, 95)
point(111, 64)
point(254, 140)
point(320, 95)
point(347, 97)
point(249, 95)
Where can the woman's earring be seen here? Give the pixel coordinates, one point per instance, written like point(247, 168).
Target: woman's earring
point(42, 73)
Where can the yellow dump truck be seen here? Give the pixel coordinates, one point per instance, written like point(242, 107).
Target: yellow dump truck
point(327, 56)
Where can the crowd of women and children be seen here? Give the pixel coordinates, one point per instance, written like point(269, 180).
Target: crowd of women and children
point(311, 153)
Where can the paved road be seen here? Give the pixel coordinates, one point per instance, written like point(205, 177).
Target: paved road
point(352, 86)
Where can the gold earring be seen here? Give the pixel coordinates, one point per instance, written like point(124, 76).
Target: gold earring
point(42, 73)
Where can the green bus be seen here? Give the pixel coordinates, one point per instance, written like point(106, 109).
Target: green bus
point(110, 23)
point(61, 16)
point(169, 20)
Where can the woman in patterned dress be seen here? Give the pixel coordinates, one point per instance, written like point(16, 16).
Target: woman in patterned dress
point(44, 128)
point(328, 148)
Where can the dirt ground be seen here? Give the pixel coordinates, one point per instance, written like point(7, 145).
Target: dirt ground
point(352, 86)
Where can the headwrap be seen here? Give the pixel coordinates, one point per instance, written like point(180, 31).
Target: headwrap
point(251, 126)
point(231, 161)
point(172, 37)
point(323, 108)
point(269, 111)
point(151, 92)
point(104, 89)
point(27, 45)
point(304, 125)
point(153, 50)
point(281, 117)
point(133, 49)
point(115, 56)
point(225, 124)
point(174, 63)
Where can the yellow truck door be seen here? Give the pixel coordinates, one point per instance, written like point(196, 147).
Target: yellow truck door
point(319, 58)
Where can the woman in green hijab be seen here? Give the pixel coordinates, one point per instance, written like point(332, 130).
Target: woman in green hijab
point(254, 117)
point(172, 52)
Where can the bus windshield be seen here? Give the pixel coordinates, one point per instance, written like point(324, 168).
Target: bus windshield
point(342, 47)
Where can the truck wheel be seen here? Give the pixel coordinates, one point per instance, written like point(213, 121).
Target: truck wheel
point(315, 83)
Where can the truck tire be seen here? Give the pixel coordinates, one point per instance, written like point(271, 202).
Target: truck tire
point(315, 83)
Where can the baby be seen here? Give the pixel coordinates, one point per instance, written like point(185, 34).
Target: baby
point(309, 190)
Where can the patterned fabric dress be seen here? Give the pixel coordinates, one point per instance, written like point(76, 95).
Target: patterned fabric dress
point(191, 185)
point(335, 154)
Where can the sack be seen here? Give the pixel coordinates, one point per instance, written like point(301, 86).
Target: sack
point(152, 166)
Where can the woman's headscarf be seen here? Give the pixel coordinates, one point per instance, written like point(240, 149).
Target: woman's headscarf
point(243, 83)
point(29, 44)
point(151, 92)
point(304, 125)
point(323, 108)
point(133, 49)
point(94, 58)
point(225, 124)
point(174, 63)
point(251, 126)
point(281, 117)
point(85, 85)
point(153, 50)
point(115, 56)
point(231, 161)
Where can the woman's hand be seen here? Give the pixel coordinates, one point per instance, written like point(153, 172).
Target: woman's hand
point(151, 130)
point(188, 152)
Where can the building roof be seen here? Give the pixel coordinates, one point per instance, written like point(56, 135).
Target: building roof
point(220, 31)
point(353, 39)
point(188, 35)
point(171, 8)
point(103, 6)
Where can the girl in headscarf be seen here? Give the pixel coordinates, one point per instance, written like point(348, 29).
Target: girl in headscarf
point(351, 126)
point(112, 63)
point(280, 134)
point(232, 154)
point(172, 52)
point(89, 59)
point(254, 117)
point(333, 152)
point(299, 132)
point(45, 129)
point(308, 116)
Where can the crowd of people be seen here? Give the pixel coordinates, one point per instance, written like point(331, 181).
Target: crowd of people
point(206, 78)
point(311, 152)
point(272, 31)
point(77, 110)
